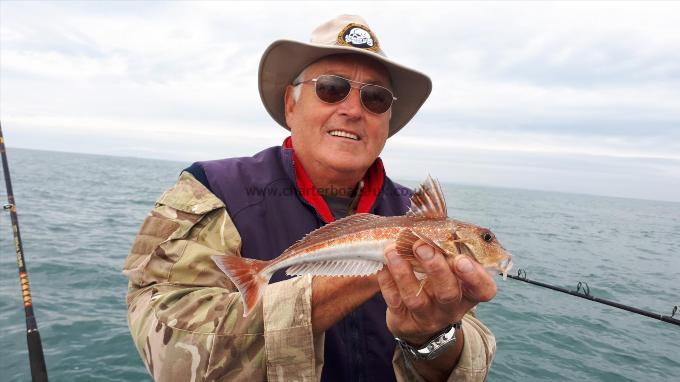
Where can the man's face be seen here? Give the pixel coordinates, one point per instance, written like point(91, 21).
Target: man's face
point(312, 121)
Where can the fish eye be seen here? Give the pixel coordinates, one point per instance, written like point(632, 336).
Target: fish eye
point(487, 236)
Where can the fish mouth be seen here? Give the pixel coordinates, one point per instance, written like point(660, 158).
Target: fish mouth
point(504, 266)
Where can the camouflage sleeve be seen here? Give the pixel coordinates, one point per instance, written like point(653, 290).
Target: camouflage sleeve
point(475, 360)
point(186, 317)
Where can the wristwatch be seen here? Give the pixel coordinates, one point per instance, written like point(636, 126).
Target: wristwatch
point(432, 348)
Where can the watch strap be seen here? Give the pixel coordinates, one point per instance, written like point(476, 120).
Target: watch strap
point(432, 348)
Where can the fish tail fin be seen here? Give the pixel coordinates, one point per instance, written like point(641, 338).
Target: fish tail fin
point(248, 277)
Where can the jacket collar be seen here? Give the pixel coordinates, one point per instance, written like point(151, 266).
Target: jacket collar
point(373, 182)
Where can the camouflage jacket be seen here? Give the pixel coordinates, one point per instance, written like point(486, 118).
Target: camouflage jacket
point(182, 309)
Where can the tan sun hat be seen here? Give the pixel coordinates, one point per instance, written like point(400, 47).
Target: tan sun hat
point(285, 59)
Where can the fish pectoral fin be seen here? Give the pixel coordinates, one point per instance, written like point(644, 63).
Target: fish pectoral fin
point(422, 277)
point(407, 237)
point(428, 201)
point(405, 241)
point(430, 241)
point(422, 285)
point(462, 241)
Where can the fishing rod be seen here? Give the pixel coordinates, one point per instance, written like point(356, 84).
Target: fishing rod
point(583, 291)
point(35, 350)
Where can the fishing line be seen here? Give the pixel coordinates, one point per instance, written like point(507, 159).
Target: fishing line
point(35, 350)
point(583, 291)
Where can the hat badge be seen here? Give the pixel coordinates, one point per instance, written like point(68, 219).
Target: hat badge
point(357, 36)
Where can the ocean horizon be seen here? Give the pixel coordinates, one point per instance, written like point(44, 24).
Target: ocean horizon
point(413, 180)
point(79, 214)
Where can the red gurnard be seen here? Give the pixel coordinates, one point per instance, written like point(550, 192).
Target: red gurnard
point(354, 246)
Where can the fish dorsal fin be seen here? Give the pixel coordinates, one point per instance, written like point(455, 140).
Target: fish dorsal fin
point(428, 201)
point(348, 225)
point(351, 267)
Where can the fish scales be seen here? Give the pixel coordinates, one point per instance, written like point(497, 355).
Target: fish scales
point(354, 246)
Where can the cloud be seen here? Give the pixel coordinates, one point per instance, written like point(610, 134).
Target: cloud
point(522, 83)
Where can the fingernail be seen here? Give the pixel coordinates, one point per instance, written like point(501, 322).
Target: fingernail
point(425, 252)
point(464, 265)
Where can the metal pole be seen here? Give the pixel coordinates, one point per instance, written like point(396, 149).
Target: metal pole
point(583, 291)
point(35, 350)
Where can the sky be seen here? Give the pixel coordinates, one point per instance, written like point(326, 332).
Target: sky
point(577, 97)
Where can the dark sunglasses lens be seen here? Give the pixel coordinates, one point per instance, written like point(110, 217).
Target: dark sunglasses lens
point(332, 89)
point(376, 99)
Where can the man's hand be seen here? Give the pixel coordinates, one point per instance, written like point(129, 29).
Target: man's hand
point(335, 297)
point(449, 293)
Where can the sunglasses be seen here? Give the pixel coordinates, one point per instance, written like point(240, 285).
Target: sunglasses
point(333, 89)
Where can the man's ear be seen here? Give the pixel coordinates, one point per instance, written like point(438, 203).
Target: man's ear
point(288, 103)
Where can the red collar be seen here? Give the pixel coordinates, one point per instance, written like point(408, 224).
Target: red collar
point(373, 183)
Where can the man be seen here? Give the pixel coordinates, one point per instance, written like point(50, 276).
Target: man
point(186, 317)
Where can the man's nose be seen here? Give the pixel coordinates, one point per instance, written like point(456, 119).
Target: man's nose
point(351, 105)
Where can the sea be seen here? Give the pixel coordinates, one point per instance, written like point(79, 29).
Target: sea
point(79, 214)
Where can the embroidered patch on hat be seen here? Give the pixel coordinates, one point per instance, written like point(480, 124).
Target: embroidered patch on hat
point(358, 36)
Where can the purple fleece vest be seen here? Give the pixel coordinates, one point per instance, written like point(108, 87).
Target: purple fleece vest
point(261, 197)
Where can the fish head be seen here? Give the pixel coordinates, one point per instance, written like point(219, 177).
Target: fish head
point(482, 245)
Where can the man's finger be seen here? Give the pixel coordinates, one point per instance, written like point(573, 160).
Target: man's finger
point(407, 283)
point(443, 282)
point(478, 285)
point(389, 289)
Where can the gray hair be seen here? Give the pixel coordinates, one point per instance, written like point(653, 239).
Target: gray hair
point(297, 89)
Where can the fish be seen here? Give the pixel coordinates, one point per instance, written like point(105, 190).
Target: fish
point(354, 246)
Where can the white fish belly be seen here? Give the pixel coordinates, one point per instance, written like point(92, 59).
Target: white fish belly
point(361, 258)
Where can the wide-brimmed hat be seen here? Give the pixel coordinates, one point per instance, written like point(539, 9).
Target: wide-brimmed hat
point(285, 59)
